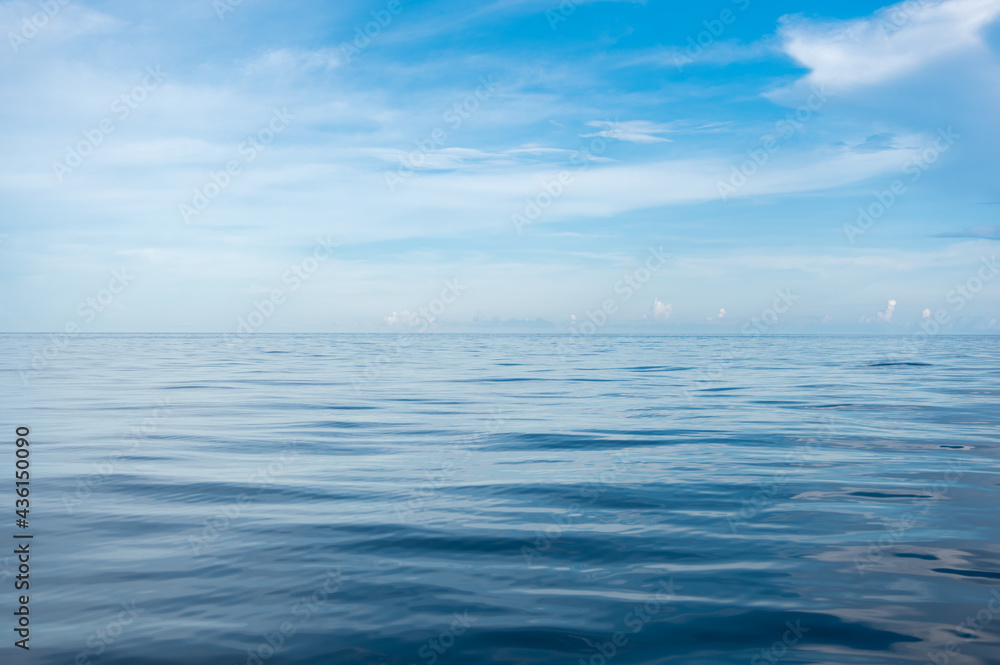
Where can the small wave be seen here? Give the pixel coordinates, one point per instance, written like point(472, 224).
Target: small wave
point(890, 364)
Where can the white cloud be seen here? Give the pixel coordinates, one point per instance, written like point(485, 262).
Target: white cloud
point(634, 131)
point(401, 318)
point(721, 315)
point(886, 316)
point(661, 312)
point(895, 41)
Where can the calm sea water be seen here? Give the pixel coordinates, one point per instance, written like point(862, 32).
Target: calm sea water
point(455, 499)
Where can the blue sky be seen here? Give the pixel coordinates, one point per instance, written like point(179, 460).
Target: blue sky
point(536, 156)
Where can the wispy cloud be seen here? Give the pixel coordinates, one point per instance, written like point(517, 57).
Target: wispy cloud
point(21, 22)
point(635, 131)
point(645, 131)
point(717, 54)
point(287, 60)
point(986, 232)
point(877, 142)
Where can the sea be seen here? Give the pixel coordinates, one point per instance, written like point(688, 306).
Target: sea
point(453, 499)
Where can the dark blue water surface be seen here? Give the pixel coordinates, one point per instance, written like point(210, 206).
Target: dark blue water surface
point(454, 499)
